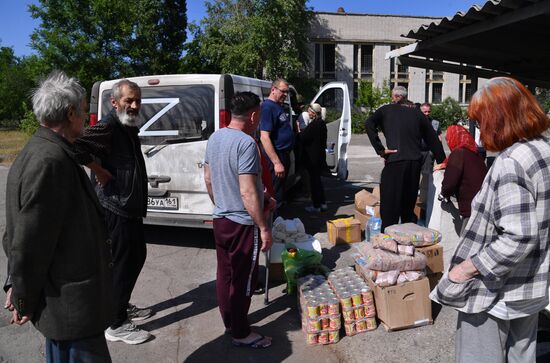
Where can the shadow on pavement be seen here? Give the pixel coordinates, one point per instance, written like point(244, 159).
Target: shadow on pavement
point(221, 349)
point(202, 299)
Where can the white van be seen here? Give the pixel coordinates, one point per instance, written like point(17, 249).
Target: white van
point(178, 115)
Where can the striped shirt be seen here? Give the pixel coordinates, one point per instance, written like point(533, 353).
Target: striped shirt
point(507, 236)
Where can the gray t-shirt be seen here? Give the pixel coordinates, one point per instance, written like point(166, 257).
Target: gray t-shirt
point(230, 153)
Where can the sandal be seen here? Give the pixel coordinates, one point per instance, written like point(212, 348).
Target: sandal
point(255, 344)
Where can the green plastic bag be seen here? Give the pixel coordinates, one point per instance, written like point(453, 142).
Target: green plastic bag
point(298, 262)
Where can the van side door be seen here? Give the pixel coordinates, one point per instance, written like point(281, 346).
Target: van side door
point(334, 97)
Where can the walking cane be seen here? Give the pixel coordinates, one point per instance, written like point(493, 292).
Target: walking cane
point(267, 263)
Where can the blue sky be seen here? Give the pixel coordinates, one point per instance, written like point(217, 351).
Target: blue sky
point(16, 24)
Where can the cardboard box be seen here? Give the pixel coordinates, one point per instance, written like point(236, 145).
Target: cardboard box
point(364, 199)
point(402, 306)
point(434, 279)
point(376, 192)
point(434, 256)
point(344, 230)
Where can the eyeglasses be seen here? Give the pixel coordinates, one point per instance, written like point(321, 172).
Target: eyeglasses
point(283, 91)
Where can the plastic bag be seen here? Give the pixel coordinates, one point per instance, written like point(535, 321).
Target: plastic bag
point(385, 242)
point(413, 234)
point(298, 262)
point(380, 260)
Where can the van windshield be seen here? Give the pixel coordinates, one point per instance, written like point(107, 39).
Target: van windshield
point(172, 112)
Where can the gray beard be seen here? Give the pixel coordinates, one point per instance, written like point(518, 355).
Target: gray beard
point(125, 119)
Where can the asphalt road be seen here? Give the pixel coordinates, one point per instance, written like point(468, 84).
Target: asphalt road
point(178, 282)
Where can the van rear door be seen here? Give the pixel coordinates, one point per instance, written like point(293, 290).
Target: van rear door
point(334, 97)
point(178, 120)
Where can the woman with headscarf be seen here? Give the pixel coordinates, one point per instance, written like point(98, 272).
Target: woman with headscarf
point(314, 142)
point(464, 172)
point(499, 275)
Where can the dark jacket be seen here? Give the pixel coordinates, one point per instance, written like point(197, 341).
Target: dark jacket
point(313, 140)
point(119, 150)
point(404, 127)
point(463, 177)
point(56, 241)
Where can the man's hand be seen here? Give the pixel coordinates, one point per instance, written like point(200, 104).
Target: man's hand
point(387, 152)
point(463, 272)
point(8, 305)
point(272, 204)
point(267, 239)
point(102, 176)
point(17, 319)
point(279, 170)
point(440, 166)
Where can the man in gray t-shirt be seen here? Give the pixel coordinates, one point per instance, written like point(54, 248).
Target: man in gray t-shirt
point(231, 153)
point(233, 179)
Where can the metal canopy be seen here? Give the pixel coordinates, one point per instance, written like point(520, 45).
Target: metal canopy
point(502, 37)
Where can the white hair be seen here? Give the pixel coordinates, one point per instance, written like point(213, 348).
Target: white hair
point(116, 92)
point(399, 91)
point(54, 98)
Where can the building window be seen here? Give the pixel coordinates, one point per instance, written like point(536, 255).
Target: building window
point(437, 92)
point(362, 61)
point(465, 90)
point(399, 74)
point(325, 60)
point(434, 86)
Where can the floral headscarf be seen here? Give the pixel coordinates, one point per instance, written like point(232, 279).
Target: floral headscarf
point(457, 137)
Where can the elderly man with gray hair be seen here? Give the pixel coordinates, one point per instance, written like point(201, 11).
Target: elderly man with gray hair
point(56, 241)
point(112, 150)
point(404, 127)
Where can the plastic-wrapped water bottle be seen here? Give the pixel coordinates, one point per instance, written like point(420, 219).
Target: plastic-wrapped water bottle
point(374, 227)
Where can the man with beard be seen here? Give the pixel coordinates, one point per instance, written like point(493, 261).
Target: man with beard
point(121, 185)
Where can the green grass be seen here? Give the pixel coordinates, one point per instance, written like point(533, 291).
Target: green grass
point(11, 142)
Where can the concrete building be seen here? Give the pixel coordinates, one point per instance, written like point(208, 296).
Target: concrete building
point(350, 47)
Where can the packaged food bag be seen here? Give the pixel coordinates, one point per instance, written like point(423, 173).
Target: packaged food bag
point(380, 260)
point(407, 250)
point(384, 242)
point(406, 276)
point(413, 234)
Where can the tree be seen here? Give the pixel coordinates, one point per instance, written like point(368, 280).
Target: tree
point(15, 85)
point(101, 39)
point(543, 96)
point(448, 112)
point(369, 98)
point(256, 38)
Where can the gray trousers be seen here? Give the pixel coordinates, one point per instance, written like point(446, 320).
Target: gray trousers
point(483, 338)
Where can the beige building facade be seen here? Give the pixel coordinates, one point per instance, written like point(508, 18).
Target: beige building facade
point(351, 47)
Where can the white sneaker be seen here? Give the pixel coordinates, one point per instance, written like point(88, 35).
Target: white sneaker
point(127, 333)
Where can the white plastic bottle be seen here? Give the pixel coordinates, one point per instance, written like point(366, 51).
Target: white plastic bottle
point(374, 227)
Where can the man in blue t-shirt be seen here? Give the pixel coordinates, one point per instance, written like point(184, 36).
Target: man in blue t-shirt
point(233, 179)
point(277, 136)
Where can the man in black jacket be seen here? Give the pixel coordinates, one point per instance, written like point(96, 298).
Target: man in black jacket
point(121, 185)
point(404, 127)
point(56, 241)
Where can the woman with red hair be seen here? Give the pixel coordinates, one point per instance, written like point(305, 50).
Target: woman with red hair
point(464, 172)
point(499, 275)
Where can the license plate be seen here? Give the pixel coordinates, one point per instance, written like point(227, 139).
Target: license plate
point(162, 203)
